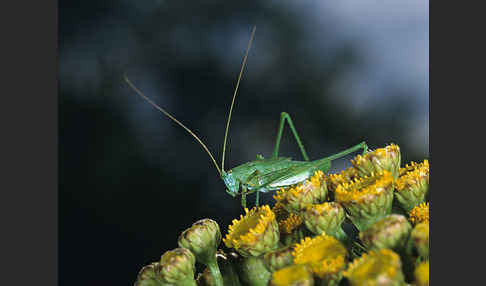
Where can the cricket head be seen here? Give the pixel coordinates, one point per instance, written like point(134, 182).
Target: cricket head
point(232, 184)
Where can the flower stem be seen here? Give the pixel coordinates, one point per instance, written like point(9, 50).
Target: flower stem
point(214, 270)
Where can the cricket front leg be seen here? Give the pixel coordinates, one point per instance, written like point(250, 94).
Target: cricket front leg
point(243, 196)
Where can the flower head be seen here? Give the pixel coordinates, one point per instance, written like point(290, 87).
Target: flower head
point(295, 275)
point(367, 199)
point(390, 232)
point(287, 222)
point(289, 225)
point(255, 233)
point(334, 180)
point(419, 213)
point(382, 267)
point(148, 275)
point(311, 191)
point(203, 239)
point(420, 237)
point(326, 217)
point(178, 266)
point(252, 271)
point(324, 254)
point(280, 258)
point(412, 185)
point(422, 274)
point(387, 158)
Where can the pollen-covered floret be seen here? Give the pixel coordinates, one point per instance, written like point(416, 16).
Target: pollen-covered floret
point(324, 254)
point(420, 213)
point(412, 185)
point(255, 233)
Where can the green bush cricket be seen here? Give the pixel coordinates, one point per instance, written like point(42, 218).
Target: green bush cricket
point(262, 175)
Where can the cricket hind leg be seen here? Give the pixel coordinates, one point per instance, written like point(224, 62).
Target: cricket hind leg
point(355, 148)
point(284, 116)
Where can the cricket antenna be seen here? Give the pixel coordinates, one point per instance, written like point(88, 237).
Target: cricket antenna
point(234, 95)
point(173, 118)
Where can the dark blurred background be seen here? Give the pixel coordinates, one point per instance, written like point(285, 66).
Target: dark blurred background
point(130, 180)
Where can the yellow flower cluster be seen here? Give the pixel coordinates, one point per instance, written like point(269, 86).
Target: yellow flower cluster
point(300, 240)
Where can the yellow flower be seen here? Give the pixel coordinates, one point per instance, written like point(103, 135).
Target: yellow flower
point(420, 213)
point(367, 199)
point(255, 233)
point(412, 185)
point(381, 267)
point(326, 217)
point(345, 176)
point(324, 254)
point(289, 224)
point(311, 191)
point(295, 275)
point(387, 158)
point(422, 274)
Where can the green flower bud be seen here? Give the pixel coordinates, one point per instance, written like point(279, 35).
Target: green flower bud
point(203, 239)
point(368, 199)
point(295, 275)
point(420, 237)
point(412, 185)
point(255, 233)
point(149, 276)
point(390, 232)
point(252, 271)
point(311, 191)
point(278, 259)
point(422, 274)
point(326, 217)
point(387, 158)
point(376, 268)
point(177, 267)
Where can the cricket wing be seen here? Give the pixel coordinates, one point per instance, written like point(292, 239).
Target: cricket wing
point(285, 177)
